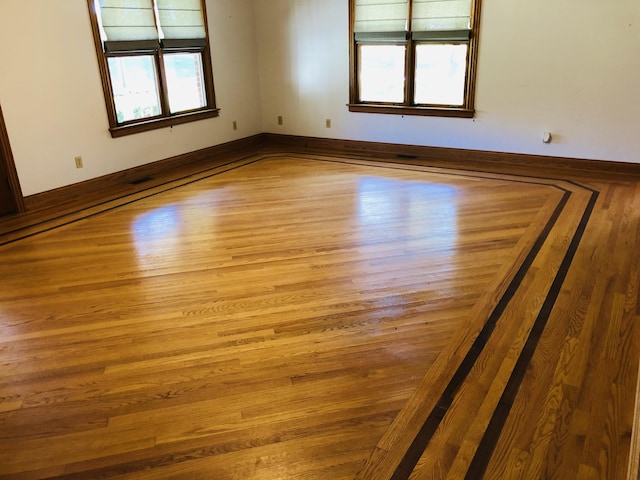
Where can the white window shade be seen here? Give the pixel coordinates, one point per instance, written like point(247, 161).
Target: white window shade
point(441, 15)
point(181, 19)
point(381, 16)
point(128, 20)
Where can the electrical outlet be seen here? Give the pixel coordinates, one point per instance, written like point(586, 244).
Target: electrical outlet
point(328, 123)
point(280, 120)
point(79, 163)
point(235, 125)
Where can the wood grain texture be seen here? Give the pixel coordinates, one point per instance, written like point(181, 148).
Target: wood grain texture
point(634, 451)
point(299, 316)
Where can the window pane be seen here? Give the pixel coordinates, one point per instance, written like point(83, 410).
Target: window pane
point(135, 87)
point(382, 73)
point(185, 81)
point(440, 74)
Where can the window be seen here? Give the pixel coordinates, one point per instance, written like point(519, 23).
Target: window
point(414, 57)
point(155, 62)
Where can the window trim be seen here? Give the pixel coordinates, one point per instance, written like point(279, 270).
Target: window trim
point(165, 119)
point(467, 110)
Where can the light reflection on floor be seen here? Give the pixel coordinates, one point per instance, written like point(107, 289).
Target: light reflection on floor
point(156, 232)
point(418, 216)
point(412, 204)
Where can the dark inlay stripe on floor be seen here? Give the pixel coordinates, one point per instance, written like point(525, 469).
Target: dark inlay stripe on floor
point(422, 439)
point(489, 440)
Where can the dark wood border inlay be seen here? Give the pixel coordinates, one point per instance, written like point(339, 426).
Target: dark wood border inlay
point(489, 440)
point(422, 439)
point(413, 454)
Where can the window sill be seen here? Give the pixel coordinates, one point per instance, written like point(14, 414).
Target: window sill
point(156, 123)
point(405, 110)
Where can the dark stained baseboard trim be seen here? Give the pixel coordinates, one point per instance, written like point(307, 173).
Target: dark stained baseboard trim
point(78, 193)
point(455, 157)
point(73, 198)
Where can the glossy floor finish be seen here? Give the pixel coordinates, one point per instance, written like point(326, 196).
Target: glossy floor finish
point(316, 317)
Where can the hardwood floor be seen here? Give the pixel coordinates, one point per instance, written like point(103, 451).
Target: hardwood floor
point(306, 316)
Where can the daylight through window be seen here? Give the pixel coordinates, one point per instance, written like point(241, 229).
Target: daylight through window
point(414, 57)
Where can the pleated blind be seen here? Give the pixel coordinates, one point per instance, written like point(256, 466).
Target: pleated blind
point(387, 18)
point(128, 20)
point(441, 19)
point(181, 20)
point(132, 24)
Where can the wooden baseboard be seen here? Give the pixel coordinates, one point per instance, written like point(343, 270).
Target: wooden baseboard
point(83, 194)
point(105, 188)
point(453, 157)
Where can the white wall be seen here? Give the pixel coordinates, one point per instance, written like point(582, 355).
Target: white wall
point(569, 67)
point(53, 105)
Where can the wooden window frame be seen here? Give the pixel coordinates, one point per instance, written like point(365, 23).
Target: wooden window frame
point(166, 118)
point(407, 107)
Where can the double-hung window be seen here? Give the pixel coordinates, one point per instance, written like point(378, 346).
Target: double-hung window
point(414, 57)
point(155, 62)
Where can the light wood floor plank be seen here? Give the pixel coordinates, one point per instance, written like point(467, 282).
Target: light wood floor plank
point(308, 316)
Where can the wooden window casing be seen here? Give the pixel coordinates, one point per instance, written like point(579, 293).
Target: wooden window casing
point(410, 41)
point(156, 50)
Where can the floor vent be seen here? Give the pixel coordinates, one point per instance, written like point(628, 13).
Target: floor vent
point(141, 180)
point(410, 157)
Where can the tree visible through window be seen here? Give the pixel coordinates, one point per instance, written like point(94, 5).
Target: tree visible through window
point(155, 62)
point(414, 56)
